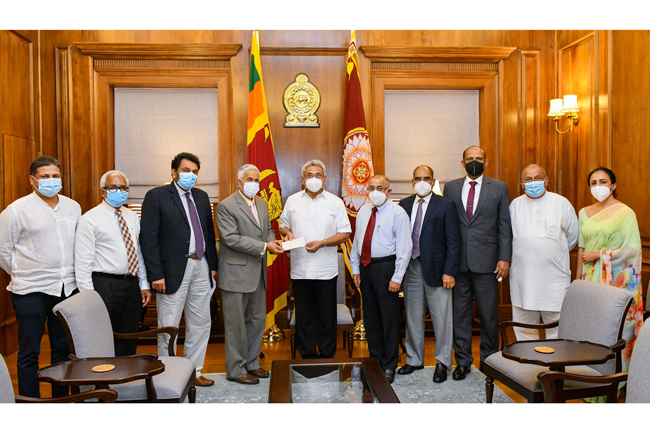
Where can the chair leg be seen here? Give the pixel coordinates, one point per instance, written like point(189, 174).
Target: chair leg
point(350, 346)
point(191, 395)
point(489, 388)
point(293, 346)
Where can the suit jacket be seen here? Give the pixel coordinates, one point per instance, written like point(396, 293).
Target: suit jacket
point(439, 238)
point(488, 238)
point(241, 239)
point(165, 234)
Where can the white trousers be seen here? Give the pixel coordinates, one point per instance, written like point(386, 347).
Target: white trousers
point(532, 317)
point(193, 296)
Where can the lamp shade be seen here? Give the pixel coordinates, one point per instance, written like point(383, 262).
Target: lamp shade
point(556, 107)
point(570, 103)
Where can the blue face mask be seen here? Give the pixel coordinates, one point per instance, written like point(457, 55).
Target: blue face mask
point(117, 198)
point(187, 180)
point(535, 189)
point(49, 187)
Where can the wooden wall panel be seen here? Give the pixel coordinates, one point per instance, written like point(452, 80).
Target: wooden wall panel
point(19, 130)
point(629, 108)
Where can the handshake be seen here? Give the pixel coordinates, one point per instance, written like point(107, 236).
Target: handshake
point(275, 247)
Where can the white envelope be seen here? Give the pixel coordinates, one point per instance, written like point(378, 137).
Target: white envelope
point(292, 245)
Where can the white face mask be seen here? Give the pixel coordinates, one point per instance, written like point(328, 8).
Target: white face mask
point(377, 198)
point(314, 184)
point(422, 188)
point(251, 189)
point(600, 193)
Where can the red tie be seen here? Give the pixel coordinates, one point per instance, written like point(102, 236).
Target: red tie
point(470, 201)
point(367, 239)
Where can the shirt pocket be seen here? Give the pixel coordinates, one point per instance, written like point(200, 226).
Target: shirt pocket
point(551, 229)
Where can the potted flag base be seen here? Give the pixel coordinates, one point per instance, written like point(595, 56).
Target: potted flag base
point(273, 334)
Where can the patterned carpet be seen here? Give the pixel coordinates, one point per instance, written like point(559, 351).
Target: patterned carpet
point(417, 387)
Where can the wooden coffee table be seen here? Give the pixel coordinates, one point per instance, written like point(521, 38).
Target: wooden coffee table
point(356, 379)
point(79, 372)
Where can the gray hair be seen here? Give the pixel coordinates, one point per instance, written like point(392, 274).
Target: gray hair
point(313, 163)
point(529, 166)
point(244, 168)
point(102, 182)
point(382, 177)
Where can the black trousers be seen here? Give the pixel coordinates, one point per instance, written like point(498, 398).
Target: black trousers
point(124, 304)
point(381, 313)
point(32, 310)
point(484, 289)
point(315, 317)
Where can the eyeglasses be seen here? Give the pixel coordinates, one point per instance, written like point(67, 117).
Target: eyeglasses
point(114, 188)
point(537, 179)
point(379, 188)
point(311, 176)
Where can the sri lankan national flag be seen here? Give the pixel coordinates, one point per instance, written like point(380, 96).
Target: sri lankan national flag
point(260, 153)
point(357, 159)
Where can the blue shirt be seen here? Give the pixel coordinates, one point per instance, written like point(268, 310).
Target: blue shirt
point(392, 236)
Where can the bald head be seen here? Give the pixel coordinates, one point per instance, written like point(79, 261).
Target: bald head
point(473, 150)
point(379, 180)
point(533, 172)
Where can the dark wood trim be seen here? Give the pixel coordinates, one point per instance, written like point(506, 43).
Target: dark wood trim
point(101, 50)
point(380, 53)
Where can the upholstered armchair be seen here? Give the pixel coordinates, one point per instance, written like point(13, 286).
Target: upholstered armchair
point(638, 377)
point(345, 313)
point(591, 312)
point(7, 392)
point(90, 335)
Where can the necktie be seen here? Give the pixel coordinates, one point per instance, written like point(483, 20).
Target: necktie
point(415, 237)
point(198, 234)
point(470, 201)
point(131, 254)
point(367, 239)
point(252, 206)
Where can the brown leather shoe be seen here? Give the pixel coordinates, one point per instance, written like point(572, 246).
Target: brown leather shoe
point(259, 372)
point(246, 379)
point(203, 381)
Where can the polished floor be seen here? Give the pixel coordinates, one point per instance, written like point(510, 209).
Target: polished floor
point(215, 361)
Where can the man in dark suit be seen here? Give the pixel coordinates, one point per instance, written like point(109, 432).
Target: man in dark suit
point(245, 236)
point(430, 275)
point(482, 205)
point(178, 245)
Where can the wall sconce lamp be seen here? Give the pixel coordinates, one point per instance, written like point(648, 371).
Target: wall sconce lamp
point(567, 108)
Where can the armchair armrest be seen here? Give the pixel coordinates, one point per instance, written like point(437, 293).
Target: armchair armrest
point(105, 395)
point(172, 331)
point(503, 326)
point(548, 380)
point(618, 346)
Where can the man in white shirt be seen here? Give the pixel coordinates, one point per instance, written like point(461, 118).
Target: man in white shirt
point(544, 228)
point(380, 255)
point(108, 259)
point(320, 218)
point(37, 249)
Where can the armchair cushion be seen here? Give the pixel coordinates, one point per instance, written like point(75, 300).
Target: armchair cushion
point(169, 384)
point(526, 374)
point(638, 383)
point(343, 315)
point(6, 388)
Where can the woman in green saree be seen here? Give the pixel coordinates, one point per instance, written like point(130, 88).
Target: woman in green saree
point(610, 249)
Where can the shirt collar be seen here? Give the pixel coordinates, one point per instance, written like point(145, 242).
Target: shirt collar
point(427, 199)
point(248, 200)
point(108, 207)
point(478, 180)
point(180, 190)
point(305, 194)
point(45, 203)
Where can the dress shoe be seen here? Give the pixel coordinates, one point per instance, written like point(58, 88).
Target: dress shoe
point(440, 375)
point(259, 372)
point(203, 381)
point(246, 379)
point(390, 375)
point(460, 372)
point(408, 369)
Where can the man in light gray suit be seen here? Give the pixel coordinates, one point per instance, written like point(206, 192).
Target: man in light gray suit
point(482, 204)
point(245, 235)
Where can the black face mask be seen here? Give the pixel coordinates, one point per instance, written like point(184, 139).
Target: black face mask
point(474, 168)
